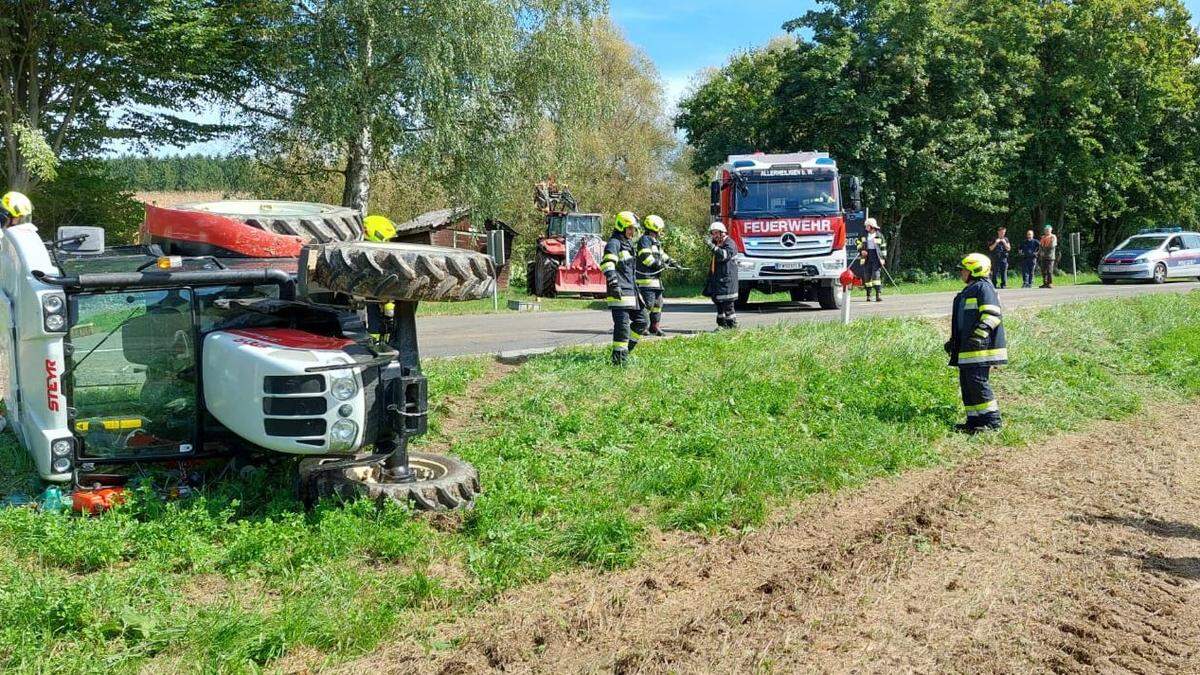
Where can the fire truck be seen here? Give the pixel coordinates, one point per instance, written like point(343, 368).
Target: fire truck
point(785, 213)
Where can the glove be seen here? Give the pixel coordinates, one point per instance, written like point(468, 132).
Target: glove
point(614, 290)
point(948, 347)
point(975, 343)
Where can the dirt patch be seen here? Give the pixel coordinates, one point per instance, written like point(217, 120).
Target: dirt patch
point(461, 412)
point(1079, 554)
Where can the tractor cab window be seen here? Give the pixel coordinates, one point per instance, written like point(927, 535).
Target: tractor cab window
point(555, 226)
point(132, 373)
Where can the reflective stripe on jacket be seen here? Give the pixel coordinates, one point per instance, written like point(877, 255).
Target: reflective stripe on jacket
point(977, 329)
point(651, 261)
point(617, 265)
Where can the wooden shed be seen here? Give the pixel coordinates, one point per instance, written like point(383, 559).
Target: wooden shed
point(454, 228)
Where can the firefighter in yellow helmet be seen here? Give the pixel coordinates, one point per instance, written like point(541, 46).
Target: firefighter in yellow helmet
point(977, 343)
point(628, 309)
point(378, 228)
point(15, 209)
point(652, 261)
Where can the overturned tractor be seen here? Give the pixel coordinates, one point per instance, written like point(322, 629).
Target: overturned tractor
point(238, 328)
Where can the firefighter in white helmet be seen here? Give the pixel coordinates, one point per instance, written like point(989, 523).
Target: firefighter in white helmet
point(652, 261)
point(15, 209)
point(977, 343)
point(872, 251)
point(628, 310)
point(722, 283)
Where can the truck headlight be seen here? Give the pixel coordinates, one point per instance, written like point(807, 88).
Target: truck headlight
point(342, 433)
point(344, 388)
point(834, 264)
point(745, 265)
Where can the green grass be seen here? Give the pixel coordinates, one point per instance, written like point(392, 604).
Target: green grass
point(692, 292)
point(580, 463)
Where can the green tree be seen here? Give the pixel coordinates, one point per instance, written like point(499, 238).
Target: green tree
point(75, 74)
point(347, 87)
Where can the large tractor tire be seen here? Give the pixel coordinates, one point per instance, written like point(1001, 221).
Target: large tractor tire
point(547, 273)
point(443, 483)
point(402, 271)
point(314, 223)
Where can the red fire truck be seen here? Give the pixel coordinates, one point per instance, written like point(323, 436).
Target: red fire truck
point(785, 214)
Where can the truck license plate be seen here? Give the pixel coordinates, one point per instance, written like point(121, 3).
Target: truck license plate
point(788, 266)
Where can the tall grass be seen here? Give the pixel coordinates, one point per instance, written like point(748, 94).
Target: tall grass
point(580, 462)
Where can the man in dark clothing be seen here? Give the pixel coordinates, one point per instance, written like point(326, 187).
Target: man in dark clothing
point(999, 249)
point(1029, 252)
point(722, 284)
point(628, 311)
point(976, 344)
point(872, 250)
point(652, 261)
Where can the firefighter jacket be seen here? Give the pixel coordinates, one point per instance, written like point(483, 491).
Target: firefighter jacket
point(618, 267)
point(722, 281)
point(976, 331)
point(651, 261)
point(880, 249)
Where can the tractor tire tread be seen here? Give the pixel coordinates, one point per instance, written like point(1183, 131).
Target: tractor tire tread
point(455, 490)
point(404, 272)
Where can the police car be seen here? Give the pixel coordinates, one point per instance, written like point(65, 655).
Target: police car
point(1154, 255)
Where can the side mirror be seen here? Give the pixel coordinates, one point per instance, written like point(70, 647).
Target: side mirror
point(714, 198)
point(80, 240)
point(1174, 248)
point(854, 193)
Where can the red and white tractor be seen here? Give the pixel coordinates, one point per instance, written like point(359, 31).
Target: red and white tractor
point(238, 328)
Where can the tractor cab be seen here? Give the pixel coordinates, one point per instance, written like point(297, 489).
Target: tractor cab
point(573, 224)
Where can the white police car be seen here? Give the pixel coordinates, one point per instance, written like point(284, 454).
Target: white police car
point(1154, 255)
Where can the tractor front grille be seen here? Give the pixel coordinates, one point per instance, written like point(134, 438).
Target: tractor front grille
point(290, 405)
point(296, 427)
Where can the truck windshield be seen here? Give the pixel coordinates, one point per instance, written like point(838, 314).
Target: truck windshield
point(786, 198)
point(1145, 243)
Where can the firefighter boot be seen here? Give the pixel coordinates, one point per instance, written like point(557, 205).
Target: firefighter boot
point(620, 358)
point(878, 296)
point(655, 329)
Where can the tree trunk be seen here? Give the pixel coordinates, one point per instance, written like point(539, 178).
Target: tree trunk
point(357, 191)
point(893, 259)
point(1037, 217)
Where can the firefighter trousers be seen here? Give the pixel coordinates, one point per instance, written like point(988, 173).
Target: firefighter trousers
point(726, 316)
point(977, 396)
point(629, 325)
point(654, 304)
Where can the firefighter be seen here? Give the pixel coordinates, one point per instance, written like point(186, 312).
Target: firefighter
point(977, 343)
point(379, 228)
point(15, 209)
point(379, 315)
point(722, 284)
point(652, 261)
point(628, 313)
point(872, 251)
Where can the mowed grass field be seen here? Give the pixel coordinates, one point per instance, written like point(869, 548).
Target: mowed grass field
point(581, 465)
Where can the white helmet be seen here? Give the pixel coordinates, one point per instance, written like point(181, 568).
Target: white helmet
point(718, 227)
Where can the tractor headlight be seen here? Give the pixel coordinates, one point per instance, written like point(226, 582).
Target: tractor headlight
point(342, 433)
point(61, 465)
point(62, 447)
point(53, 317)
point(344, 388)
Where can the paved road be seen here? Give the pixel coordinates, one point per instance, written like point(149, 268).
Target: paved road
point(517, 332)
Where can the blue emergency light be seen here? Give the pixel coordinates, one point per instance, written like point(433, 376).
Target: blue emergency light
point(1160, 230)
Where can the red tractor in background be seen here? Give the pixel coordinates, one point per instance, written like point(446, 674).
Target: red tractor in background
point(567, 256)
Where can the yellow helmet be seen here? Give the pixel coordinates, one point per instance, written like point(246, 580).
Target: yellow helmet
point(978, 264)
point(16, 205)
point(624, 219)
point(654, 223)
point(379, 228)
